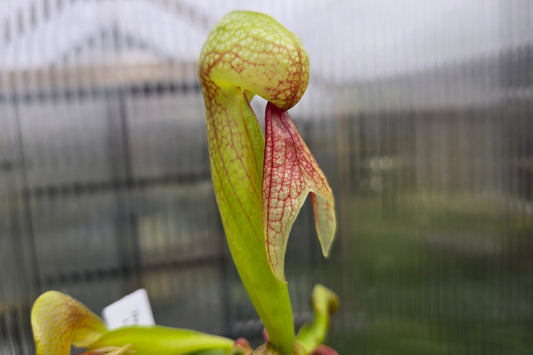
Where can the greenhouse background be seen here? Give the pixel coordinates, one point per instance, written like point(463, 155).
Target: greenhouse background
point(419, 113)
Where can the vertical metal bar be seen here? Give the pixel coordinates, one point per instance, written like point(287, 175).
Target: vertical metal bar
point(27, 217)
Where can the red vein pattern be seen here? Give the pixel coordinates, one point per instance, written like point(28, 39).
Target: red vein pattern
point(249, 54)
point(289, 173)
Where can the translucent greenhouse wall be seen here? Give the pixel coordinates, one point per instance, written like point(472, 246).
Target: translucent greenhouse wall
point(420, 113)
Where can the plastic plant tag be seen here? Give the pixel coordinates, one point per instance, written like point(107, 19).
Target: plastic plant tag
point(132, 309)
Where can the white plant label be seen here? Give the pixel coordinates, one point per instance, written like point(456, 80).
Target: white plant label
point(133, 309)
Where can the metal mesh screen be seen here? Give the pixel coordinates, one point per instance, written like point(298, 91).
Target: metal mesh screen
point(418, 112)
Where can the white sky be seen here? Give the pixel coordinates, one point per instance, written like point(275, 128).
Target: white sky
point(346, 40)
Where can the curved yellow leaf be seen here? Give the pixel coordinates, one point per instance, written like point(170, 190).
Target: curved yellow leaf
point(325, 304)
point(59, 321)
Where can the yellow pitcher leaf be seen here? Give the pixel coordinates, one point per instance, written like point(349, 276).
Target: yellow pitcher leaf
point(59, 321)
